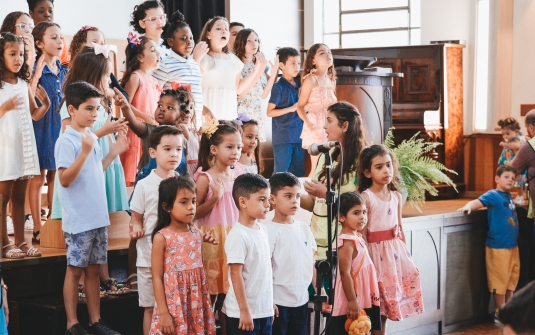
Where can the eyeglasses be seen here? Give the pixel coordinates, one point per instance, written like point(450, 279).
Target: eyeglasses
point(25, 26)
point(153, 19)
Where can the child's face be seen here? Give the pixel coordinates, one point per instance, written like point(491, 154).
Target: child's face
point(382, 170)
point(182, 42)
point(286, 201)
point(509, 134)
point(233, 32)
point(23, 25)
point(186, 117)
point(228, 152)
point(168, 111)
point(335, 131)
point(150, 58)
point(184, 207)
point(52, 43)
point(168, 153)
point(356, 218)
point(154, 22)
point(506, 181)
point(94, 37)
point(219, 35)
point(13, 56)
point(292, 66)
point(250, 138)
point(43, 11)
point(257, 206)
point(323, 58)
point(252, 45)
point(87, 113)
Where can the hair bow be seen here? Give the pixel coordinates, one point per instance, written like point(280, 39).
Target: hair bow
point(104, 49)
point(242, 118)
point(210, 127)
point(133, 40)
point(84, 28)
point(175, 86)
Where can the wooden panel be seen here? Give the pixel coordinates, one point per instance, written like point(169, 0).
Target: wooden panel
point(481, 161)
point(52, 235)
point(420, 80)
point(395, 65)
point(524, 109)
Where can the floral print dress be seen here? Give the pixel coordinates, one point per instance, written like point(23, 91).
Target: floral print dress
point(507, 156)
point(252, 103)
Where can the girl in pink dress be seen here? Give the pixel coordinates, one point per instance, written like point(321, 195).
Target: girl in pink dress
point(142, 58)
point(316, 95)
point(182, 301)
point(219, 152)
point(356, 281)
point(399, 279)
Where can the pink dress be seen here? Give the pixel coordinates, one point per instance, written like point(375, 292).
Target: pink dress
point(398, 277)
point(221, 218)
point(321, 97)
point(145, 100)
point(364, 277)
point(186, 290)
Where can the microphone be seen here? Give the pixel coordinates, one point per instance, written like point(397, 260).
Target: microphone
point(316, 149)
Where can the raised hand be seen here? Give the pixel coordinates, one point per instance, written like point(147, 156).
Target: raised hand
point(41, 94)
point(261, 61)
point(88, 141)
point(274, 67)
point(119, 99)
point(120, 145)
point(110, 127)
point(199, 51)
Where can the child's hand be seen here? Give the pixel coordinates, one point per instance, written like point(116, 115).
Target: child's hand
point(120, 145)
point(466, 208)
point(11, 104)
point(261, 61)
point(167, 324)
point(119, 99)
point(111, 127)
point(185, 130)
point(200, 50)
point(353, 309)
point(502, 144)
point(274, 67)
point(209, 238)
point(41, 94)
point(88, 141)
point(219, 189)
point(275, 313)
point(39, 68)
point(246, 321)
point(136, 233)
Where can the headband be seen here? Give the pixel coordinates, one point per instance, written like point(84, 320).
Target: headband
point(133, 40)
point(210, 127)
point(242, 117)
point(84, 28)
point(175, 86)
point(104, 49)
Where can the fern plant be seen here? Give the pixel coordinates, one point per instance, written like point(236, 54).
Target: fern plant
point(417, 171)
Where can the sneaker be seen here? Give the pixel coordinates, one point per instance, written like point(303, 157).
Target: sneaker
point(519, 200)
point(496, 320)
point(10, 229)
point(99, 328)
point(28, 224)
point(77, 329)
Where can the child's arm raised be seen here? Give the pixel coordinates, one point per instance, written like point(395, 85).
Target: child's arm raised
point(38, 112)
point(272, 77)
point(110, 127)
point(203, 185)
point(137, 127)
point(116, 148)
point(246, 320)
point(346, 253)
point(471, 206)
point(513, 145)
point(245, 84)
point(68, 175)
point(158, 252)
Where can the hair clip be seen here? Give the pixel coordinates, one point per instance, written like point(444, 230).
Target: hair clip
point(133, 40)
point(242, 117)
point(175, 86)
point(84, 28)
point(210, 127)
point(104, 49)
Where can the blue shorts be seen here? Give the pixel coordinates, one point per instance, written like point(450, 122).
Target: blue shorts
point(262, 326)
point(289, 158)
point(291, 320)
point(88, 247)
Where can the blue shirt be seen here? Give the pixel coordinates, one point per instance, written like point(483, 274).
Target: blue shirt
point(84, 202)
point(503, 223)
point(287, 128)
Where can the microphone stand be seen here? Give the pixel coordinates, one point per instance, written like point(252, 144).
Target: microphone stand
point(325, 267)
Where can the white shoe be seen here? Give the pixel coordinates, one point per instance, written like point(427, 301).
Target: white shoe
point(519, 200)
point(28, 224)
point(10, 229)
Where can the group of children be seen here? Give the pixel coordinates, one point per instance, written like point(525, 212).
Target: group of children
point(56, 115)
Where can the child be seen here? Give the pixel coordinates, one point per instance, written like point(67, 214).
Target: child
point(288, 152)
point(20, 24)
point(83, 198)
point(250, 153)
point(246, 48)
point(516, 316)
point(292, 247)
point(18, 157)
point(188, 125)
point(234, 28)
point(166, 149)
point(501, 248)
point(317, 94)
point(49, 43)
point(181, 65)
point(356, 282)
point(182, 299)
point(398, 277)
point(221, 78)
point(513, 140)
point(142, 57)
point(249, 304)
point(219, 151)
point(149, 18)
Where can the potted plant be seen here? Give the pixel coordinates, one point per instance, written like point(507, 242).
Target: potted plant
point(417, 171)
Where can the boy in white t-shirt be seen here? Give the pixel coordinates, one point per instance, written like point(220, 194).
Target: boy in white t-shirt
point(166, 149)
point(292, 248)
point(249, 302)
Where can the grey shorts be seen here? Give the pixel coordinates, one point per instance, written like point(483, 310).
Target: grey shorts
point(88, 247)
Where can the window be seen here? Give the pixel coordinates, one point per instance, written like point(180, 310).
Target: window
point(482, 65)
point(371, 23)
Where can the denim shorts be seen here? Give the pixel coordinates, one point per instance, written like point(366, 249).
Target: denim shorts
point(88, 247)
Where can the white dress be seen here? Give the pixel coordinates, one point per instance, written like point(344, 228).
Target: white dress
point(18, 151)
point(219, 85)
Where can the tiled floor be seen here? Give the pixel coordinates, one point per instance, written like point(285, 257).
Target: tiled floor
point(484, 328)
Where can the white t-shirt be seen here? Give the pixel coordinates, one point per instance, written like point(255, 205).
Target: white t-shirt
point(145, 201)
point(292, 257)
point(250, 247)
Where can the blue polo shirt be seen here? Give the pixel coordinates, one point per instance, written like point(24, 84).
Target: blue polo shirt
point(503, 222)
point(287, 128)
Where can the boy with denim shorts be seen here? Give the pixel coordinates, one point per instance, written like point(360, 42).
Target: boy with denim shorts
point(287, 125)
point(82, 194)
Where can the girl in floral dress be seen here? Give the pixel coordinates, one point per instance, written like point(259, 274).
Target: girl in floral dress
point(180, 287)
point(398, 278)
point(512, 141)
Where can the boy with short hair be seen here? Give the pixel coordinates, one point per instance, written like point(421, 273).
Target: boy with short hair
point(502, 258)
point(249, 301)
point(82, 194)
point(517, 314)
point(287, 125)
point(292, 247)
point(166, 150)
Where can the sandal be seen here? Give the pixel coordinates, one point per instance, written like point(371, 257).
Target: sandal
point(13, 253)
point(132, 284)
point(34, 238)
point(81, 292)
point(32, 251)
point(113, 287)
